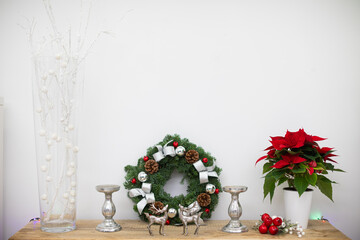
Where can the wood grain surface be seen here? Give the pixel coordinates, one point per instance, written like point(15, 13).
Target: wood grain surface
point(136, 229)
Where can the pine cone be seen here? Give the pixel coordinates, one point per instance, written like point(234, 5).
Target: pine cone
point(204, 199)
point(192, 156)
point(151, 166)
point(158, 206)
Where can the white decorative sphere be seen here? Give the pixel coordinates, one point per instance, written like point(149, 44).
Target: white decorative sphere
point(38, 110)
point(58, 139)
point(73, 184)
point(303, 233)
point(48, 157)
point(142, 176)
point(63, 64)
point(49, 179)
point(58, 56)
point(76, 149)
point(68, 145)
point(73, 193)
point(72, 200)
point(42, 133)
point(66, 195)
point(71, 126)
point(172, 212)
point(43, 168)
point(44, 77)
point(210, 188)
point(54, 136)
point(51, 72)
point(72, 164)
point(44, 196)
point(44, 89)
point(49, 142)
point(180, 151)
point(70, 172)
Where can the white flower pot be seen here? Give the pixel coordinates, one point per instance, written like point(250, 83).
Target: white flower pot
point(297, 209)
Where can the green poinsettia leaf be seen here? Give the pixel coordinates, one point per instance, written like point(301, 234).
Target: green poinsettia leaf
point(338, 170)
point(267, 167)
point(310, 157)
point(320, 164)
point(325, 186)
point(299, 169)
point(311, 179)
point(269, 187)
point(329, 166)
point(300, 184)
point(282, 180)
point(278, 173)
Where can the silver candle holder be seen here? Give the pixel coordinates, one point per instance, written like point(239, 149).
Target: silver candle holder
point(235, 210)
point(108, 209)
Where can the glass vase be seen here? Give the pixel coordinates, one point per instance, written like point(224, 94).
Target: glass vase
point(57, 90)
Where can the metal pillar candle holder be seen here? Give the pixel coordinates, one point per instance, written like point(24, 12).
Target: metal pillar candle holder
point(235, 210)
point(108, 209)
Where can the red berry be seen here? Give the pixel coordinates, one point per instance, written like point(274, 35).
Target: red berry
point(146, 158)
point(263, 229)
point(175, 144)
point(268, 221)
point(205, 160)
point(167, 222)
point(265, 215)
point(277, 221)
point(273, 230)
point(207, 210)
point(133, 180)
point(217, 191)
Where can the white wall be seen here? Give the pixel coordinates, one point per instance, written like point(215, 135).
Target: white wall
point(232, 73)
point(1, 167)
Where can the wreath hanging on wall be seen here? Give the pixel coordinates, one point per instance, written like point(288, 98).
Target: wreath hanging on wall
point(146, 180)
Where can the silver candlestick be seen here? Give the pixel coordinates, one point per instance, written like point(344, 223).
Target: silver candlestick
point(108, 209)
point(235, 210)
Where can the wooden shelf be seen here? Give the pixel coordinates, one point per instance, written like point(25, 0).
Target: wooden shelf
point(136, 229)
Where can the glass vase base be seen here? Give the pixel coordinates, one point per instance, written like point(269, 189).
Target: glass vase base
point(58, 227)
point(235, 227)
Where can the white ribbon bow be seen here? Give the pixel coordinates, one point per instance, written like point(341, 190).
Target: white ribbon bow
point(145, 191)
point(164, 151)
point(205, 172)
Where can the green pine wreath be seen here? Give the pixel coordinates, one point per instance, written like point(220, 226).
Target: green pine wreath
point(166, 166)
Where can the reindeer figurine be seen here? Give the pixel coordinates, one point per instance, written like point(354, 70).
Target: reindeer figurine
point(195, 218)
point(159, 220)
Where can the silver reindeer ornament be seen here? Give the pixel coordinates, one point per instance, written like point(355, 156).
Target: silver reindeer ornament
point(186, 218)
point(159, 220)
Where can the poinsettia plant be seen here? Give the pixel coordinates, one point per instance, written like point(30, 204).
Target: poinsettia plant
point(298, 159)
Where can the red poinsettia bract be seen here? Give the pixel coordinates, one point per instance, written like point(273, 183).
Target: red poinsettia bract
point(288, 159)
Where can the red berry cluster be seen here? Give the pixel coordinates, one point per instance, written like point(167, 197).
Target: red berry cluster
point(269, 224)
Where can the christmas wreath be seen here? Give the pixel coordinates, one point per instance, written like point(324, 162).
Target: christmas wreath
point(146, 180)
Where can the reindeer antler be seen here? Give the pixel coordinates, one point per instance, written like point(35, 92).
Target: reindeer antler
point(154, 209)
